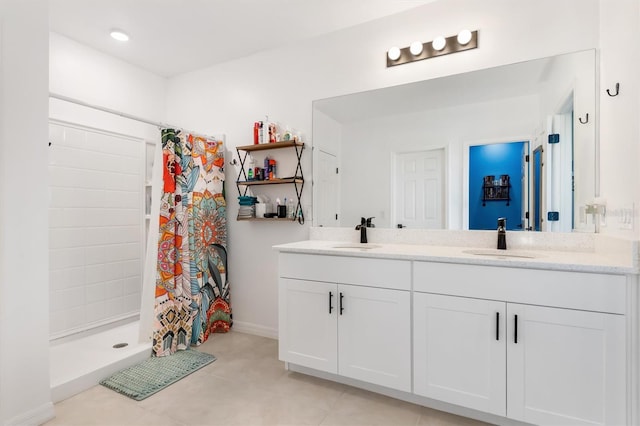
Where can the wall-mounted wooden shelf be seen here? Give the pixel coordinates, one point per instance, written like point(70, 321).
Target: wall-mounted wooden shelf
point(269, 182)
point(297, 180)
point(268, 219)
point(275, 145)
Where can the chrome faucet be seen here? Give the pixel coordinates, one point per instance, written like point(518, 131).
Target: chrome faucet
point(502, 233)
point(364, 224)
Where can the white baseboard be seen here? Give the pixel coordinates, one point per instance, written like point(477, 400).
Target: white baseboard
point(37, 416)
point(255, 329)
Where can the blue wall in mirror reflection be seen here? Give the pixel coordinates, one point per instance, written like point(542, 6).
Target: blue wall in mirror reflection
point(485, 201)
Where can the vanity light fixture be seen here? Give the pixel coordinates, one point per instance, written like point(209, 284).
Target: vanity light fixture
point(464, 37)
point(394, 53)
point(417, 51)
point(416, 48)
point(439, 43)
point(119, 35)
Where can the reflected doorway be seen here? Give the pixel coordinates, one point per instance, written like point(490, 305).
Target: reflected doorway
point(536, 183)
point(498, 185)
point(326, 189)
point(418, 189)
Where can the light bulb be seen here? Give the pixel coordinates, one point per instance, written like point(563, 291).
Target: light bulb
point(464, 37)
point(394, 53)
point(415, 48)
point(439, 43)
point(119, 35)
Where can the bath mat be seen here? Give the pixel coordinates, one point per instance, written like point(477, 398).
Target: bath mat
point(154, 374)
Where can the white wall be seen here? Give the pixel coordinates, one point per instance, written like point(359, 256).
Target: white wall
point(83, 73)
point(25, 396)
point(618, 117)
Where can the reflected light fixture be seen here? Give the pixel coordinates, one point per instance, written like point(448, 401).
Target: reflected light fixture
point(416, 48)
point(464, 37)
point(439, 43)
point(417, 51)
point(119, 35)
point(394, 53)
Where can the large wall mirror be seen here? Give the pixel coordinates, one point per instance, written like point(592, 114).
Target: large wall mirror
point(457, 152)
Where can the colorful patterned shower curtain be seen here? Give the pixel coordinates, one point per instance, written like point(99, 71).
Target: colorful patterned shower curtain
point(192, 292)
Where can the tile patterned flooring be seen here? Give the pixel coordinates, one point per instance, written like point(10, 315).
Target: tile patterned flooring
point(247, 385)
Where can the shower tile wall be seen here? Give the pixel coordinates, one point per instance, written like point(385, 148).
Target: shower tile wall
point(95, 228)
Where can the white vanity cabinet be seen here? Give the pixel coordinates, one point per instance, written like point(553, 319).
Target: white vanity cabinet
point(347, 316)
point(536, 346)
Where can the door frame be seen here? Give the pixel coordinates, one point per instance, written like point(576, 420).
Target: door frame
point(315, 190)
point(465, 172)
point(393, 196)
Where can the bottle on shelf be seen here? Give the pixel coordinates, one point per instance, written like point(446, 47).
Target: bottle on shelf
point(251, 164)
point(266, 168)
point(272, 169)
point(290, 209)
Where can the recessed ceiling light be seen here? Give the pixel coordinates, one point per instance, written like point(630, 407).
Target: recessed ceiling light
point(119, 35)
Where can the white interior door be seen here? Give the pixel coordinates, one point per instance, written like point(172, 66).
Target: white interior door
point(419, 189)
point(327, 190)
point(567, 367)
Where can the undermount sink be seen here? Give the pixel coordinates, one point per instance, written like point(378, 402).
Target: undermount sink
point(501, 254)
point(361, 246)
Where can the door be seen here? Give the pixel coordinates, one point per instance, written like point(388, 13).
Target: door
point(537, 199)
point(419, 181)
point(308, 324)
point(565, 366)
point(459, 351)
point(374, 335)
point(327, 190)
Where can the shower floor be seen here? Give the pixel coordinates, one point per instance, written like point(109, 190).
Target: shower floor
point(80, 364)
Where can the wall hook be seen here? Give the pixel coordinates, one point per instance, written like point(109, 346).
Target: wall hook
point(233, 162)
point(617, 91)
point(586, 119)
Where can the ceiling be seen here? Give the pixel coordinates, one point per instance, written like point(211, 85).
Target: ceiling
point(170, 37)
point(508, 81)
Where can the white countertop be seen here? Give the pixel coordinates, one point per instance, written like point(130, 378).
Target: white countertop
point(517, 258)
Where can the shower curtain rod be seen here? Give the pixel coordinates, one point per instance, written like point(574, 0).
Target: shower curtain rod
point(125, 115)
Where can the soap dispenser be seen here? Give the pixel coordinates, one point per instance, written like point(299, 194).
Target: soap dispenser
point(502, 233)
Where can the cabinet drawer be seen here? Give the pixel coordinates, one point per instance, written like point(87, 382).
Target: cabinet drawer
point(307, 267)
point(383, 273)
point(575, 290)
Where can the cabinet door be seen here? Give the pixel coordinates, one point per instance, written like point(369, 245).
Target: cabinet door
point(307, 325)
point(459, 351)
point(567, 367)
point(374, 336)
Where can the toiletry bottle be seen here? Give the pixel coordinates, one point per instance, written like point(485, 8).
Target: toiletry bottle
point(251, 164)
point(256, 131)
point(266, 168)
point(272, 169)
point(272, 133)
point(290, 209)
